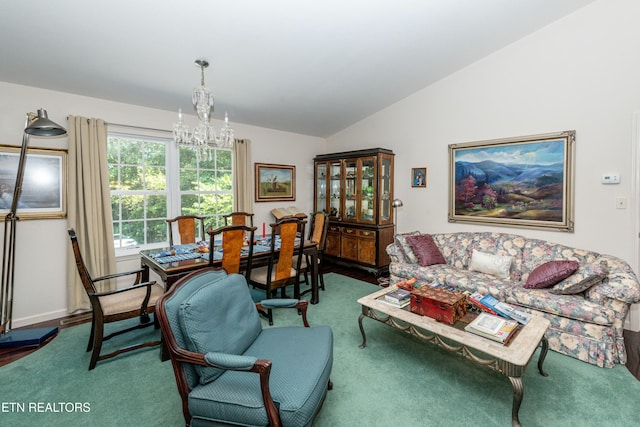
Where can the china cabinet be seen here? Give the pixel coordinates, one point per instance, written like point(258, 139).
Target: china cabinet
point(356, 189)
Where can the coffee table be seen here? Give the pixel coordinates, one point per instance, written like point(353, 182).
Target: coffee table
point(510, 360)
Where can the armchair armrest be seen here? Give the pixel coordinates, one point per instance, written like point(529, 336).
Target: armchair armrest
point(279, 303)
point(301, 305)
point(137, 272)
point(136, 286)
point(230, 361)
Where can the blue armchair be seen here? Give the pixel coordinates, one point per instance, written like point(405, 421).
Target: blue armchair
point(229, 370)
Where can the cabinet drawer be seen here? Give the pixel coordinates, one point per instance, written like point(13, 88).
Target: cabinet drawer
point(369, 234)
point(350, 231)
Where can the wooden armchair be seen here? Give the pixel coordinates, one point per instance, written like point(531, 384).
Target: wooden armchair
point(230, 381)
point(188, 227)
point(281, 269)
point(318, 234)
point(138, 300)
point(233, 238)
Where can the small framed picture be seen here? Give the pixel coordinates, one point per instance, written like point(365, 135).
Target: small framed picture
point(419, 177)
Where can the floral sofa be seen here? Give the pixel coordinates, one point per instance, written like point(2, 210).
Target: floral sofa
point(587, 325)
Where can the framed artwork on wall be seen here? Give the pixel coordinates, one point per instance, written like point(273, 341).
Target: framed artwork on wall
point(419, 177)
point(44, 186)
point(275, 183)
point(520, 182)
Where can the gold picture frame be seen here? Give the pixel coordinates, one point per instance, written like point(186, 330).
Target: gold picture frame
point(44, 186)
point(524, 181)
point(275, 183)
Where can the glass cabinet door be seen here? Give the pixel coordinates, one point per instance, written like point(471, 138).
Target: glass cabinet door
point(386, 174)
point(335, 187)
point(367, 190)
point(321, 187)
point(350, 189)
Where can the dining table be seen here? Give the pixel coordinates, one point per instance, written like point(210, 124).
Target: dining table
point(173, 263)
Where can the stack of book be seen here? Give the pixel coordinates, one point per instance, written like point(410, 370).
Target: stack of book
point(491, 305)
point(398, 298)
point(495, 328)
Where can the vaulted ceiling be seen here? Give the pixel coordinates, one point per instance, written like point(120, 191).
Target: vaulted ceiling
point(307, 66)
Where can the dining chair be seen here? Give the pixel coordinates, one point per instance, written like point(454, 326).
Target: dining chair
point(281, 270)
point(242, 218)
point(233, 239)
point(229, 370)
point(318, 234)
point(137, 300)
point(188, 227)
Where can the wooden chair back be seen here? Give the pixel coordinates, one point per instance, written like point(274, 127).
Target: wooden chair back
point(187, 229)
point(288, 229)
point(239, 218)
point(233, 239)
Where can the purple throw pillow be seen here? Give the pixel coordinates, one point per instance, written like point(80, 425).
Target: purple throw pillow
point(550, 273)
point(425, 250)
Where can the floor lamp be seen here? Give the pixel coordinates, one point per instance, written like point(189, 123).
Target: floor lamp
point(38, 125)
point(396, 204)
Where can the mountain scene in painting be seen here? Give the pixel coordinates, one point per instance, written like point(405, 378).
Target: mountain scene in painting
point(518, 181)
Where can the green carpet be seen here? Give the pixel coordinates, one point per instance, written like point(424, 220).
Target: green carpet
point(395, 380)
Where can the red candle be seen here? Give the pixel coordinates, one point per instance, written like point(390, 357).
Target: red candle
point(264, 230)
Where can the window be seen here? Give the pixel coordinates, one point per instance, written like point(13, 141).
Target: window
point(152, 180)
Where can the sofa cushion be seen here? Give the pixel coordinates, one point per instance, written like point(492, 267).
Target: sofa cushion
point(550, 273)
point(570, 306)
point(496, 265)
point(536, 252)
point(586, 276)
point(425, 250)
point(455, 248)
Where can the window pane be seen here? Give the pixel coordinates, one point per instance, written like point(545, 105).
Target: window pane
point(189, 204)
point(225, 180)
point(115, 210)
point(157, 206)
point(155, 178)
point(154, 153)
point(157, 231)
point(223, 159)
point(188, 180)
point(132, 207)
point(207, 180)
point(131, 178)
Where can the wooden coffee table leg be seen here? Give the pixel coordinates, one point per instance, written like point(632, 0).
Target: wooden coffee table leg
point(518, 391)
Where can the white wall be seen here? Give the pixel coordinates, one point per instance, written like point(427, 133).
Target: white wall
point(579, 73)
point(42, 245)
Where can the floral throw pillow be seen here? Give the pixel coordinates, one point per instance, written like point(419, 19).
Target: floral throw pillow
point(550, 273)
point(426, 250)
point(587, 275)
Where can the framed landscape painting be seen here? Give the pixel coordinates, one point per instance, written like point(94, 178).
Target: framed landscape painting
point(44, 184)
point(519, 182)
point(275, 183)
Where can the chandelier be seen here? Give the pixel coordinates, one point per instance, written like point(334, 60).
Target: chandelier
point(203, 137)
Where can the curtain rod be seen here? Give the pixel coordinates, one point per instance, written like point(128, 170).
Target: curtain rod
point(134, 127)
point(139, 127)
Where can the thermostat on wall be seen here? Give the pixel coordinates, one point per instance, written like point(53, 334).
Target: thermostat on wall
point(611, 178)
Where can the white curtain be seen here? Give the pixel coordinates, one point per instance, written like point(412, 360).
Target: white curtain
point(89, 211)
point(242, 182)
